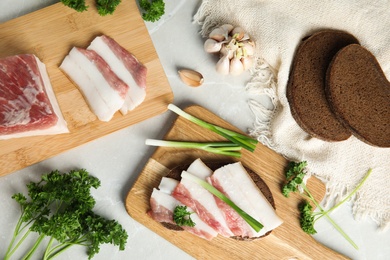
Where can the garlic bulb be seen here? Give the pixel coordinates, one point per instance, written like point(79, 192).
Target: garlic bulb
point(234, 47)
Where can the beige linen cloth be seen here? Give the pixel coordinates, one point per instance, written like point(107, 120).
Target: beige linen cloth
point(277, 28)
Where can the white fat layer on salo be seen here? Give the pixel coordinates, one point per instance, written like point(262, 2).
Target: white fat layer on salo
point(167, 185)
point(200, 169)
point(163, 197)
point(136, 94)
point(101, 97)
point(61, 125)
point(204, 197)
point(241, 189)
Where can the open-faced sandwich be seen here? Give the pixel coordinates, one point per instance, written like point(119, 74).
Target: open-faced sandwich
point(207, 215)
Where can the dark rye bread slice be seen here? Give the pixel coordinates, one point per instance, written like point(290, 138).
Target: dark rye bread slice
point(176, 172)
point(306, 85)
point(359, 94)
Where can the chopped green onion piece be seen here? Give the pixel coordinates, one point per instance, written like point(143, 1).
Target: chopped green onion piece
point(257, 226)
point(237, 138)
point(224, 148)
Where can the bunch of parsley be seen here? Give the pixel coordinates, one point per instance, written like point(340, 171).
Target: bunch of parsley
point(61, 208)
point(295, 183)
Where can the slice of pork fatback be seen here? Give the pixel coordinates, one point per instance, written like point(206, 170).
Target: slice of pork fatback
point(104, 91)
point(234, 181)
point(234, 221)
point(200, 200)
point(28, 105)
point(126, 66)
point(163, 204)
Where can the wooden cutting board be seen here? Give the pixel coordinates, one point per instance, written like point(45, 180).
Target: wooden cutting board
point(288, 241)
point(50, 33)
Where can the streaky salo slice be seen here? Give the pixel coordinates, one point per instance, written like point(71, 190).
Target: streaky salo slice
point(202, 201)
point(104, 91)
point(163, 204)
point(234, 181)
point(126, 66)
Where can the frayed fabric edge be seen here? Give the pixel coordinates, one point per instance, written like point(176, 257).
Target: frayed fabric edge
point(201, 17)
point(263, 82)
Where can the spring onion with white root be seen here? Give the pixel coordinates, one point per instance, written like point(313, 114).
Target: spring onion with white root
point(239, 139)
point(257, 226)
point(224, 148)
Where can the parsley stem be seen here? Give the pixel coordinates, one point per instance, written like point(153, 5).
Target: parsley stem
point(11, 252)
point(34, 248)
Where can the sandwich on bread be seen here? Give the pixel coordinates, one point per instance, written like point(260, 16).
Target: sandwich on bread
point(212, 216)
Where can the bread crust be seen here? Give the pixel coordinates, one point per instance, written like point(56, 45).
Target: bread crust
point(306, 86)
point(175, 173)
point(359, 94)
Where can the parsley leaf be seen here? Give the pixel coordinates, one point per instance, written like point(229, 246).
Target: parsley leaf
point(152, 10)
point(307, 219)
point(106, 7)
point(78, 5)
point(294, 177)
point(182, 217)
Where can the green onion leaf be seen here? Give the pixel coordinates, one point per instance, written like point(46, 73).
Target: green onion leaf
point(237, 138)
point(224, 148)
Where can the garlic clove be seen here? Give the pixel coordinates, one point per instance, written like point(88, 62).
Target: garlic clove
point(227, 27)
point(212, 46)
point(236, 66)
point(191, 77)
point(223, 65)
point(248, 48)
point(218, 34)
point(238, 33)
point(247, 62)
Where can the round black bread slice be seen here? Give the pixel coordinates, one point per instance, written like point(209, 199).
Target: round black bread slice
point(359, 94)
point(306, 85)
point(176, 172)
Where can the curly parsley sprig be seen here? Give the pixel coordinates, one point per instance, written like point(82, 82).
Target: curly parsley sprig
point(152, 10)
point(295, 181)
point(182, 217)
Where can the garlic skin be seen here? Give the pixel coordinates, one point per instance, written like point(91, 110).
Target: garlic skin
point(235, 49)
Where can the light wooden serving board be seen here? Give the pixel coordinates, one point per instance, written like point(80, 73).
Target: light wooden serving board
point(286, 242)
point(50, 33)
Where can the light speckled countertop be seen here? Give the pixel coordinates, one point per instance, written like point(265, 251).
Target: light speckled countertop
point(174, 40)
